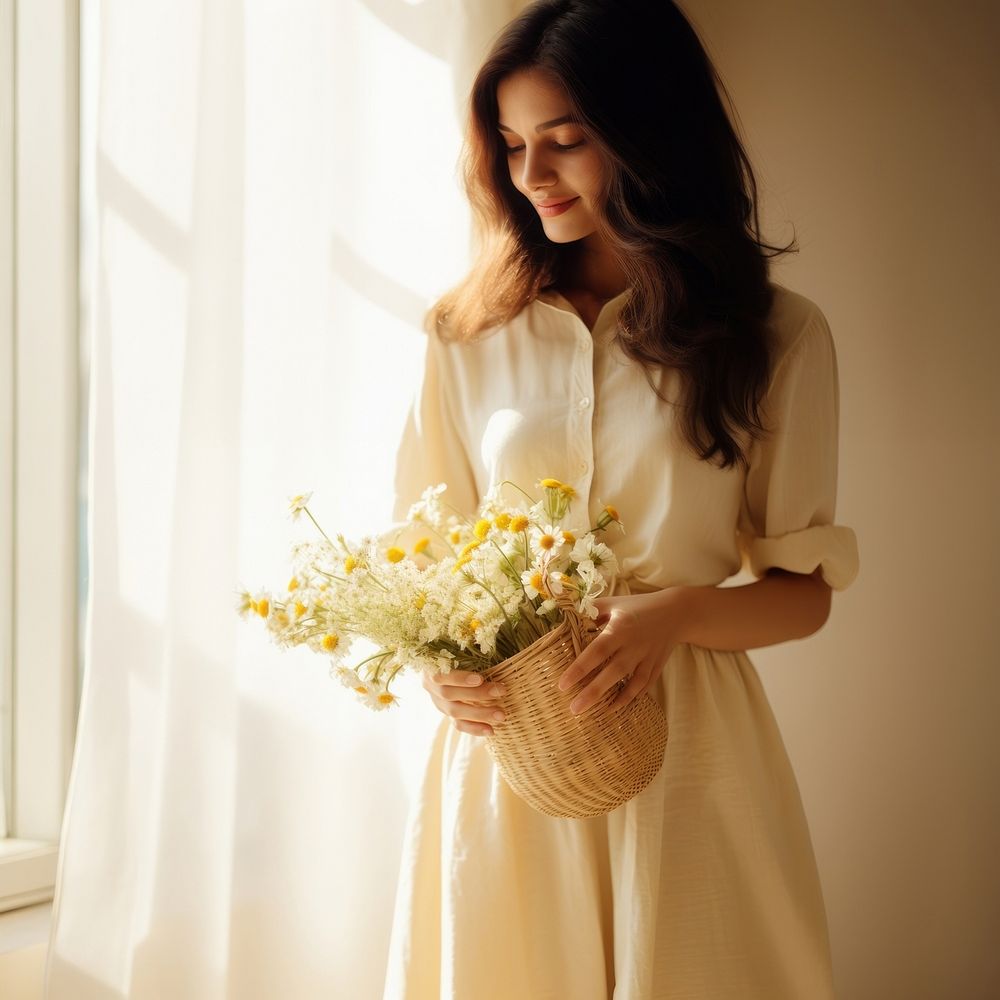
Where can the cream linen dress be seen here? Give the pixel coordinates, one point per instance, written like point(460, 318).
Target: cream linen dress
point(704, 886)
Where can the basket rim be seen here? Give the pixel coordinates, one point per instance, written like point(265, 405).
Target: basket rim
point(554, 634)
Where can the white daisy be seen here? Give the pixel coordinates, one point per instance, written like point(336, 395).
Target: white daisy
point(548, 538)
point(297, 504)
point(597, 554)
point(347, 676)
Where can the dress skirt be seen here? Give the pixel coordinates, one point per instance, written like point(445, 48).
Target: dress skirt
point(702, 887)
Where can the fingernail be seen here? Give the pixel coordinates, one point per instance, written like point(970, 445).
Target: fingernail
point(476, 679)
point(499, 716)
point(575, 707)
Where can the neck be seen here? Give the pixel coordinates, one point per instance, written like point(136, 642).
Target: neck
point(591, 267)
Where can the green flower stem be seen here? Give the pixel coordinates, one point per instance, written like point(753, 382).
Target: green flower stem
point(381, 655)
point(458, 513)
point(442, 537)
point(494, 596)
point(314, 521)
point(516, 576)
point(508, 482)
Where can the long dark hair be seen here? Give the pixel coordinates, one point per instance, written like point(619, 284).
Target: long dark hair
point(679, 209)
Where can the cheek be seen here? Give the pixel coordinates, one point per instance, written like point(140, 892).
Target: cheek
point(591, 174)
point(515, 174)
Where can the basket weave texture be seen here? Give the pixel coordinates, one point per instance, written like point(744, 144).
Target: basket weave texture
point(563, 764)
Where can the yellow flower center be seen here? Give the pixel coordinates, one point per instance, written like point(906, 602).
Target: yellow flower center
point(519, 523)
point(349, 564)
point(569, 537)
point(613, 512)
point(419, 601)
point(330, 641)
point(361, 689)
point(552, 484)
point(300, 609)
point(470, 547)
point(536, 582)
point(454, 536)
point(420, 545)
point(394, 555)
point(567, 490)
point(263, 607)
point(293, 584)
point(385, 698)
point(502, 521)
point(546, 542)
point(482, 529)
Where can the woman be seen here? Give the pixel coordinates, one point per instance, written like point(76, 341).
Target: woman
point(619, 332)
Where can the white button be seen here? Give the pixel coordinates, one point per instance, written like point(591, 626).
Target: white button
point(582, 345)
point(585, 402)
point(583, 466)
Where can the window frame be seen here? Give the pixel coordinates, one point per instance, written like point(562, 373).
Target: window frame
point(40, 424)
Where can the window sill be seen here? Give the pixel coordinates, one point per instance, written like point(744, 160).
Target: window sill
point(27, 873)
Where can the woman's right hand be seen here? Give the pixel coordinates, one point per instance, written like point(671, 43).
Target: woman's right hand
point(467, 699)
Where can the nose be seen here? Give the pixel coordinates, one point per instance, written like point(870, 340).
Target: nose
point(537, 171)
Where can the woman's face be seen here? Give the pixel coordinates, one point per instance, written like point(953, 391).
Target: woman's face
point(549, 162)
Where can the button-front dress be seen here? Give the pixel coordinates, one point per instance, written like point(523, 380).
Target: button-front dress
point(704, 886)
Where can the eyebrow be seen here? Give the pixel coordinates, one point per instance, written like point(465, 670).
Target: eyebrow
point(544, 125)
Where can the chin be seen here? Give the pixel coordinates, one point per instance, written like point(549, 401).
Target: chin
point(568, 235)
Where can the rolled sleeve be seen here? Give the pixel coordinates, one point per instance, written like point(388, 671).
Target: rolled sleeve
point(787, 517)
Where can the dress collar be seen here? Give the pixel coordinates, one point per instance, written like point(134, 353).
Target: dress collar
point(553, 299)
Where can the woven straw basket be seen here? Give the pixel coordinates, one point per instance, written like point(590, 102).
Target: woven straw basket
point(564, 764)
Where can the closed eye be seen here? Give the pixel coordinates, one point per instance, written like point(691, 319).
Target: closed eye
point(556, 145)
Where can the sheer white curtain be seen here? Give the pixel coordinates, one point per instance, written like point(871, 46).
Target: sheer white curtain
point(277, 202)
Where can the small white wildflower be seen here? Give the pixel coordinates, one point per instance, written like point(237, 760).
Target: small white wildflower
point(589, 550)
point(347, 676)
point(532, 581)
point(427, 510)
point(548, 538)
point(297, 504)
point(377, 697)
point(244, 603)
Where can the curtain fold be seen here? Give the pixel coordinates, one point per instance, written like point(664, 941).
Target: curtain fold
point(277, 203)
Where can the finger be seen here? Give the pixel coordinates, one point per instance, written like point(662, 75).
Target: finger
point(456, 687)
point(637, 684)
point(462, 678)
point(616, 669)
point(465, 712)
point(593, 657)
point(471, 696)
point(473, 728)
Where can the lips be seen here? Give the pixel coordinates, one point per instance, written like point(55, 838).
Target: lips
point(552, 207)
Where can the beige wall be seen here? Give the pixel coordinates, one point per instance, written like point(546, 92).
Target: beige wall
point(875, 127)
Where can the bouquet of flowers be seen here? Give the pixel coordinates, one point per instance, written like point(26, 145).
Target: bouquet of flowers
point(440, 591)
point(509, 594)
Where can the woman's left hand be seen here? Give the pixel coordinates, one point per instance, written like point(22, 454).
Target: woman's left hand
point(641, 632)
